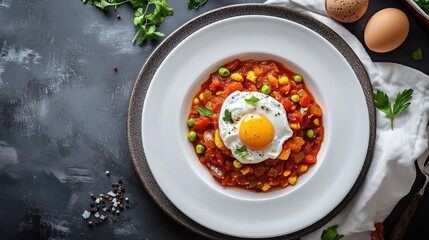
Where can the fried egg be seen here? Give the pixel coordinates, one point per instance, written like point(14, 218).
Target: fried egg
point(253, 126)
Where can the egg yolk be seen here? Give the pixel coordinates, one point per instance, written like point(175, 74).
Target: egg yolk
point(256, 132)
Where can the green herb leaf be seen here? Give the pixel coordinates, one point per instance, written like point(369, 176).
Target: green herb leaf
point(205, 112)
point(227, 116)
point(331, 234)
point(418, 54)
point(424, 5)
point(382, 103)
point(194, 4)
point(252, 100)
point(303, 109)
point(241, 152)
point(149, 14)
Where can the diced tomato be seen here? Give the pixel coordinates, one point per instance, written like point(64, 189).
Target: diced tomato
point(232, 66)
point(316, 111)
point(215, 86)
point(309, 159)
point(295, 117)
point(287, 104)
point(201, 124)
point(304, 101)
point(284, 89)
point(235, 86)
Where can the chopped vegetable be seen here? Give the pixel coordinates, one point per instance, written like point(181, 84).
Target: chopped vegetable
point(205, 112)
point(331, 234)
point(190, 122)
point(294, 98)
point(252, 100)
point(236, 77)
point(194, 4)
point(297, 78)
point(200, 148)
point(418, 54)
point(224, 72)
point(310, 133)
point(382, 103)
point(192, 135)
point(266, 89)
point(237, 164)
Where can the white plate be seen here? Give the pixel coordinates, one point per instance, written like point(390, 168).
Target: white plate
point(189, 185)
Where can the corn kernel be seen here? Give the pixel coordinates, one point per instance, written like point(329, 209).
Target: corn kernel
point(286, 173)
point(283, 80)
point(245, 170)
point(237, 164)
point(251, 76)
point(236, 77)
point(284, 155)
point(295, 126)
point(201, 96)
point(272, 79)
point(266, 187)
point(316, 122)
point(303, 168)
point(218, 140)
point(292, 180)
point(219, 93)
point(196, 101)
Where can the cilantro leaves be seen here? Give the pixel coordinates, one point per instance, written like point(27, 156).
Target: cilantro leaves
point(331, 234)
point(252, 100)
point(418, 54)
point(402, 102)
point(149, 14)
point(227, 116)
point(241, 152)
point(194, 4)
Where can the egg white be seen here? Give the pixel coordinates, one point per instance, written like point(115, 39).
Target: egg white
point(239, 108)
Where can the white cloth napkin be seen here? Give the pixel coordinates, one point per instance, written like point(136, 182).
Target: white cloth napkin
point(392, 171)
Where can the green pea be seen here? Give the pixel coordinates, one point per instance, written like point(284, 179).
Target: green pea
point(310, 133)
point(223, 72)
point(200, 148)
point(266, 89)
point(190, 122)
point(295, 98)
point(192, 136)
point(297, 78)
point(237, 164)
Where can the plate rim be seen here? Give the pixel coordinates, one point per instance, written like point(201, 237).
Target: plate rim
point(138, 95)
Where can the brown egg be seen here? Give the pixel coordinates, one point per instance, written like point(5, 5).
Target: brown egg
point(386, 30)
point(346, 11)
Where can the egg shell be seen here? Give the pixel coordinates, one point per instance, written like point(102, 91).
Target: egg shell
point(346, 11)
point(386, 30)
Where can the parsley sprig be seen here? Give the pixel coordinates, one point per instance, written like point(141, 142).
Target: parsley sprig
point(149, 14)
point(402, 102)
point(241, 152)
point(194, 4)
point(331, 234)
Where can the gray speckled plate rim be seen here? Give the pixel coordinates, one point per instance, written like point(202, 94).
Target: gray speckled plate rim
point(135, 108)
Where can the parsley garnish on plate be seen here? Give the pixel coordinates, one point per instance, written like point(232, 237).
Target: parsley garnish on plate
point(382, 103)
point(331, 234)
point(205, 112)
point(252, 100)
point(418, 54)
point(149, 14)
point(227, 116)
point(194, 4)
point(241, 152)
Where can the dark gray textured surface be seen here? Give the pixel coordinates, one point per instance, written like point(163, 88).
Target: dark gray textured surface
point(63, 117)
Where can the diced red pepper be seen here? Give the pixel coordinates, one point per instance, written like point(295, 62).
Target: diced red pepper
point(235, 86)
point(201, 124)
point(309, 159)
point(287, 104)
point(215, 86)
point(304, 101)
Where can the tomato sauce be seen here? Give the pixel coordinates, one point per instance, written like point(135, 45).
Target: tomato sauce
point(304, 116)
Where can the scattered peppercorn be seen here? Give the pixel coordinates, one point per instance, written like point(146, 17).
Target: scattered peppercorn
point(112, 202)
point(115, 68)
point(118, 17)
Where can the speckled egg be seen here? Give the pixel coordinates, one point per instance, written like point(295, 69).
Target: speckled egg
point(346, 11)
